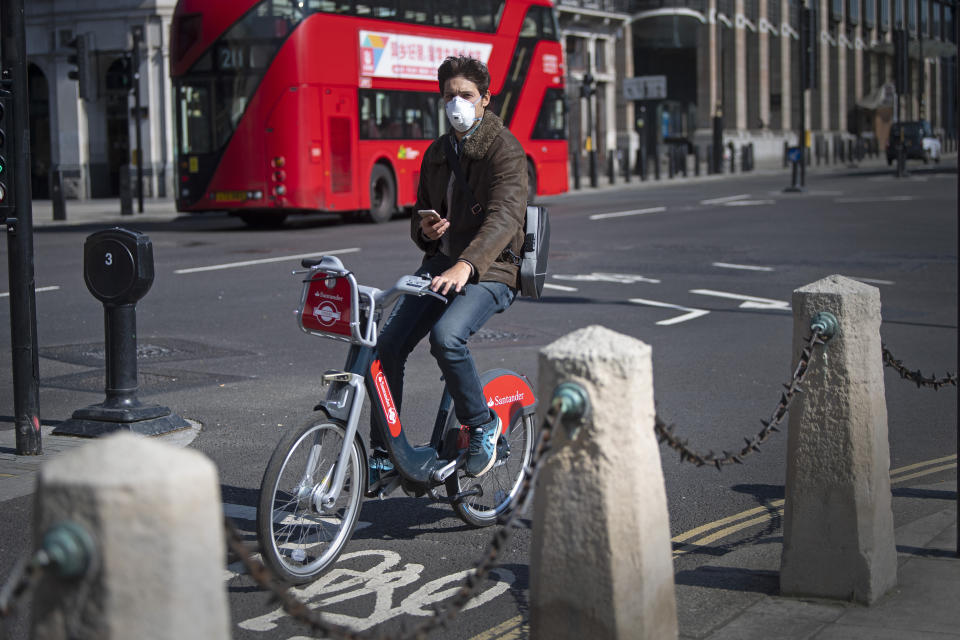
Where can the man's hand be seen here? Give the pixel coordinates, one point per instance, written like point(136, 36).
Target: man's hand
point(453, 278)
point(433, 230)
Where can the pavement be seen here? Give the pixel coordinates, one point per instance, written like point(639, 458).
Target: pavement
point(923, 605)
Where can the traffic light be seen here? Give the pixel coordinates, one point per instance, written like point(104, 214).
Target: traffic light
point(587, 89)
point(901, 68)
point(79, 61)
point(6, 185)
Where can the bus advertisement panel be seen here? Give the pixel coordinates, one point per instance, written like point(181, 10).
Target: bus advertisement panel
point(286, 106)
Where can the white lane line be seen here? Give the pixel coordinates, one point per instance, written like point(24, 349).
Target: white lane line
point(248, 263)
point(873, 280)
point(748, 203)
point(623, 214)
point(690, 315)
point(746, 267)
point(742, 196)
point(558, 287)
point(749, 302)
point(37, 290)
point(874, 199)
point(619, 278)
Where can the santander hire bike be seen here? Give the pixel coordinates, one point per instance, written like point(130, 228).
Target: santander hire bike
point(315, 481)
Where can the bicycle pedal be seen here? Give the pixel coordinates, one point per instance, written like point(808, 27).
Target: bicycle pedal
point(469, 493)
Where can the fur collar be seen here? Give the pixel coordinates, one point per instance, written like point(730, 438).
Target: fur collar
point(475, 147)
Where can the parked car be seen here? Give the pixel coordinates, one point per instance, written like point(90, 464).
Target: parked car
point(918, 142)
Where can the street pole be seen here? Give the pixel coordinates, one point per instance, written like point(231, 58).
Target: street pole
point(137, 37)
point(19, 223)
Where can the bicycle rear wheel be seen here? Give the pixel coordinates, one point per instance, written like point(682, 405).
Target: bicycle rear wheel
point(299, 541)
point(498, 488)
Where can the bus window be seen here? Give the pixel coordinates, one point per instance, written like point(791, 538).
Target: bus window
point(539, 22)
point(195, 132)
point(552, 119)
point(398, 115)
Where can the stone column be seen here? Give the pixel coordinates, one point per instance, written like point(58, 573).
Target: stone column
point(154, 514)
point(838, 522)
point(600, 561)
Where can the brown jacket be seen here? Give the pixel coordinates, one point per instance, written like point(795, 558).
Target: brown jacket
point(495, 167)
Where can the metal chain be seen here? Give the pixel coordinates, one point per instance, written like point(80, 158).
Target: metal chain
point(916, 376)
point(665, 432)
point(25, 573)
point(442, 616)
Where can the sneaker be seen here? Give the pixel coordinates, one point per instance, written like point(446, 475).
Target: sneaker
point(378, 466)
point(483, 447)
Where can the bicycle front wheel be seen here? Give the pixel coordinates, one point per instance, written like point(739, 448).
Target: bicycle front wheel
point(299, 539)
point(496, 490)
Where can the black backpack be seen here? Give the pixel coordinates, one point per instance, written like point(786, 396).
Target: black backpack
point(536, 236)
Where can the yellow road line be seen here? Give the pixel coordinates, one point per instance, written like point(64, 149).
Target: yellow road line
point(512, 629)
point(925, 472)
point(716, 523)
point(925, 463)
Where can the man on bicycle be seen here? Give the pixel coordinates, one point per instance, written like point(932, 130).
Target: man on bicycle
point(465, 249)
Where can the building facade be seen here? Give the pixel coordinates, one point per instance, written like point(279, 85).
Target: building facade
point(739, 60)
point(89, 139)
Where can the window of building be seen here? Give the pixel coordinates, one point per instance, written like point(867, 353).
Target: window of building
point(883, 15)
point(853, 12)
point(869, 13)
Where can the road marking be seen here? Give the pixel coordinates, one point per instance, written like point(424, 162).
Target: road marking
point(623, 214)
point(873, 280)
point(746, 267)
point(873, 199)
point(750, 302)
point(775, 508)
point(748, 203)
point(690, 315)
point(37, 290)
point(725, 199)
point(248, 263)
point(513, 629)
point(925, 463)
point(619, 278)
point(558, 287)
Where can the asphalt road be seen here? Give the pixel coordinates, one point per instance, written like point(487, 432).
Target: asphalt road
point(702, 271)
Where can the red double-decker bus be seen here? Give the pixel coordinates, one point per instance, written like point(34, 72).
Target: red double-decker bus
point(287, 106)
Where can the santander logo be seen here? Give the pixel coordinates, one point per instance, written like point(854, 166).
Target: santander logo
point(386, 399)
point(497, 400)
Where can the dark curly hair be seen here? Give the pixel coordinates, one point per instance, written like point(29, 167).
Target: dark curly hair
point(470, 68)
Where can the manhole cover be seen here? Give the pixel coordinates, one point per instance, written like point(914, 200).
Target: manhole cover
point(151, 382)
point(148, 350)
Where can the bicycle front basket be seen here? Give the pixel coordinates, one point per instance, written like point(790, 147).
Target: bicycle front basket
point(329, 305)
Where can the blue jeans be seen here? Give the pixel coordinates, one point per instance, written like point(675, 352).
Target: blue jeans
point(450, 326)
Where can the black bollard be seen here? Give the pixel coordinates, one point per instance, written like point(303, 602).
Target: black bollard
point(56, 195)
point(656, 162)
point(118, 271)
point(626, 165)
point(611, 175)
point(733, 158)
point(671, 161)
point(576, 170)
point(709, 159)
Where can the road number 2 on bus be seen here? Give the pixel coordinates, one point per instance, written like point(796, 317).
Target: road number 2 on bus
point(381, 581)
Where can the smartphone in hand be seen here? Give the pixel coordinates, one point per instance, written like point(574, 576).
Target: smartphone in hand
point(430, 215)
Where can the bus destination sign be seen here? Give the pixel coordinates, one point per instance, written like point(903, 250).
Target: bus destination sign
point(392, 55)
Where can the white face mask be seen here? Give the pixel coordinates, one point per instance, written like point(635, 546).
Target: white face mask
point(462, 113)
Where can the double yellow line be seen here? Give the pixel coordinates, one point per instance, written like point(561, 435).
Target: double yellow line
point(516, 628)
point(718, 529)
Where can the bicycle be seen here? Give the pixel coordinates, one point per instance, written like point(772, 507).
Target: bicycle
point(313, 485)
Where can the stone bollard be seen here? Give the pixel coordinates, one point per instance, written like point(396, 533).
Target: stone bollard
point(154, 514)
point(838, 522)
point(600, 560)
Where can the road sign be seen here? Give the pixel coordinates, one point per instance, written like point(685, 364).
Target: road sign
point(645, 88)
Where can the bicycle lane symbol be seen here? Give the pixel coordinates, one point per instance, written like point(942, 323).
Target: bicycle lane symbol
point(381, 581)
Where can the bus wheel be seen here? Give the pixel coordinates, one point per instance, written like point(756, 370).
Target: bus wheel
point(531, 181)
point(383, 194)
point(263, 219)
